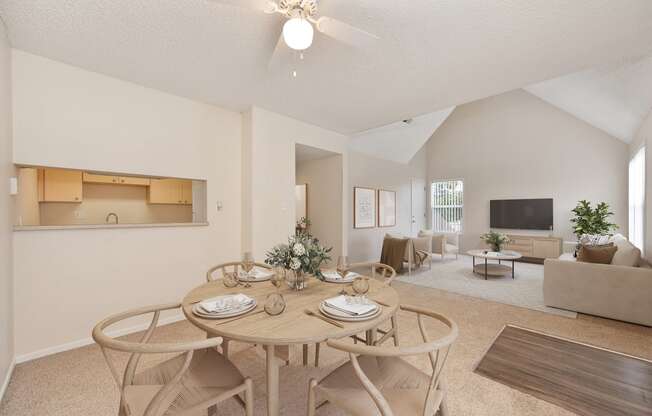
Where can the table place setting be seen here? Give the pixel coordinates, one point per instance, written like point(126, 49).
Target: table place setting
point(257, 274)
point(350, 308)
point(225, 306)
point(333, 276)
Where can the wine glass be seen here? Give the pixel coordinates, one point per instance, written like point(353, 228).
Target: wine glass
point(247, 266)
point(278, 277)
point(342, 269)
point(361, 287)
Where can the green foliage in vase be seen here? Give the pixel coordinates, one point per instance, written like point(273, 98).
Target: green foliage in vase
point(302, 253)
point(595, 221)
point(495, 240)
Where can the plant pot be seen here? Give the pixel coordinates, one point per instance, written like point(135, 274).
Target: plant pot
point(296, 280)
point(495, 247)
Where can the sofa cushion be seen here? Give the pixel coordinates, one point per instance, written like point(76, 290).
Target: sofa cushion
point(597, 254)
point(627, 254)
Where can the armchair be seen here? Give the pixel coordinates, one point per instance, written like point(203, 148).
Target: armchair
point(443, 242)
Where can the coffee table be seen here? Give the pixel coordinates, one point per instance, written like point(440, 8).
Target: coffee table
point(494, 269)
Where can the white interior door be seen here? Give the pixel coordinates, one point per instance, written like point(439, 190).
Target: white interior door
point(418, 205)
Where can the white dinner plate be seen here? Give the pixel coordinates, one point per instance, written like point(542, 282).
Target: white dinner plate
point(333, 277)
point(197, 310)
point(259, 275)
point(343, 316)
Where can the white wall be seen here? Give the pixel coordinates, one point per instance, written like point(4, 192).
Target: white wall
point(269, 177)
point(643, 137)
point(324, 179)
point(366, 171)
point(69, 117)
point(515, 145)
point(6, 217)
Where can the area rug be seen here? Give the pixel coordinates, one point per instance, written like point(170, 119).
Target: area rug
point(456, 275)
point(584, 379)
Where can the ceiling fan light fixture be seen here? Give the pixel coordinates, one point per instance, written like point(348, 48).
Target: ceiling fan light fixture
point(298, 33)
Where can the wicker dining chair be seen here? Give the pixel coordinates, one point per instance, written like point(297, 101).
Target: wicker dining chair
point(387, 273)
point(193, 381)
point(218, 272)
point(376, 271)
point(378, 381)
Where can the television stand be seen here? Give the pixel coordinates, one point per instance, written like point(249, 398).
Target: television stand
point(535, 248)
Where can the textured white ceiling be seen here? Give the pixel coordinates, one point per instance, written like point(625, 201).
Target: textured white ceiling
point(432, 54)
point(615, 98)
point(399, 141)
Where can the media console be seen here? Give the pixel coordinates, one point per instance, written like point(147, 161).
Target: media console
point(535, 248)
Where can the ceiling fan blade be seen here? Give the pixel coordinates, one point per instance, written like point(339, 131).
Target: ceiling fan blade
point(344, 32)
point(282, 56)
point(279, 50)
point(266, 6)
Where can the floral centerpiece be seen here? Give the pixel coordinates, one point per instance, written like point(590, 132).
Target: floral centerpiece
point(495, 240)
point(300, 256)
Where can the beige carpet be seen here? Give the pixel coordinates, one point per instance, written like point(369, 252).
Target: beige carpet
point(77, 383)
point(456, 275)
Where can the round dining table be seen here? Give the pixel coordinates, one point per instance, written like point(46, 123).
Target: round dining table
point(300, 322)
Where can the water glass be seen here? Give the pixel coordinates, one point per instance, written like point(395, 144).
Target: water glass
point(274, 304)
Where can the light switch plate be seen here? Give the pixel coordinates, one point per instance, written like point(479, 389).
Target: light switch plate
point(13, 186)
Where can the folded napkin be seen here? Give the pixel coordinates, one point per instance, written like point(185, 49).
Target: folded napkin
point(333, 275)
point(226, 303)
point(257, 273)
point(340, 303)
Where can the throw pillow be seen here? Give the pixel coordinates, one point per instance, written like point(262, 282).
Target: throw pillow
point(597, 254)
point(627, 255)
point(594, 240)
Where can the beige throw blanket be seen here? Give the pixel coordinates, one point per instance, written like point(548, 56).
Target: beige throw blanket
point(394, 251)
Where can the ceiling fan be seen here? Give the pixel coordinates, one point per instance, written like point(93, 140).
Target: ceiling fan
point(301, 19)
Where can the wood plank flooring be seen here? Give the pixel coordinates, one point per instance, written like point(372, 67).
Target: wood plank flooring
point(583, 379)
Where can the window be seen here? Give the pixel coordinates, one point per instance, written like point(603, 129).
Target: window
point(447, 201)
point(637, 198)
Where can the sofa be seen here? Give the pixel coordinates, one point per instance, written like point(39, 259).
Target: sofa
point(621, 290)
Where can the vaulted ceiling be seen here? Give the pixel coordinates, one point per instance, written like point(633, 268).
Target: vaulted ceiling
point(432, 54)
point(616, 97)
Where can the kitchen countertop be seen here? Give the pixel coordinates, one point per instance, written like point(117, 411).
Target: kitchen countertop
point(106, 226)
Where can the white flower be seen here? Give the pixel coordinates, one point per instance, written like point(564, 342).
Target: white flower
point(299, 249)
point(295, 263)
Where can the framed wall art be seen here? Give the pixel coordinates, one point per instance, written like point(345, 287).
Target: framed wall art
point(364, 207)
point(386, 208)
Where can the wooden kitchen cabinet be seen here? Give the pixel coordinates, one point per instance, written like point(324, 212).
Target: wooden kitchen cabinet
point(170, 191)
point(132, 180)
point(118, 180)
point(60, 185)
point(94, 178)
point(186, 192)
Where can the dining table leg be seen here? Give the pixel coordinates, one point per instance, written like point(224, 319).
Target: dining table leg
point(272, 382)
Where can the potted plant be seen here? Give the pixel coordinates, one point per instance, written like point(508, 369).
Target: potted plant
point(495, 240)
point(301, 256)
point(588, 220)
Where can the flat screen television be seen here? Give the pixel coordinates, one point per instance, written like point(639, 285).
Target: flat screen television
point(521, 214)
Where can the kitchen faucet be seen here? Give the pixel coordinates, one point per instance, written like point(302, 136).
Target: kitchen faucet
point(109, 216)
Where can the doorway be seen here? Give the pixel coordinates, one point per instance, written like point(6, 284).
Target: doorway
point(318, 195)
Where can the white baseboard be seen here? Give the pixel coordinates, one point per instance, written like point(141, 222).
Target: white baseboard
point(88, 341)
point(5, 383)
